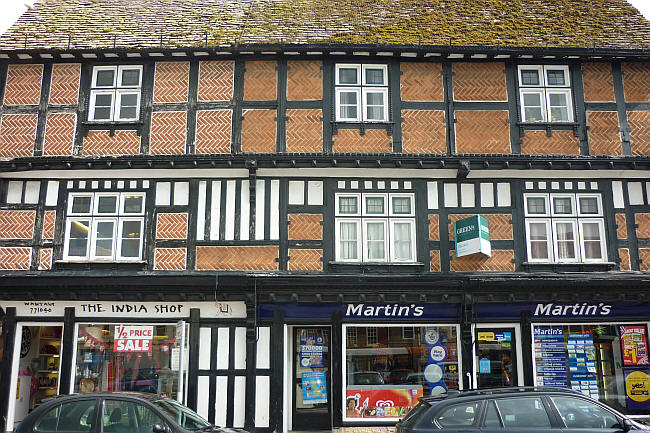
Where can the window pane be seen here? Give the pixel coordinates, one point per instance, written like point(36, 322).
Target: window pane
point(459, 415)
point(81, 204)
point(102, 113)
point(402, 241)
point(375, 76)
point(401, 205)
point(530, 77)
point(349, 112)
point(130, 248)
point(375, 239)
point(525, 412)
point(492, 418)
point(348, 241)
point(78, 241)
point(348, 76)
point(103, 103)
point(133, 204)
point(565, 241)
point(130, 77)
point(147, 419)
point(105, 78)
point(128, 106)
point(538, 238)
point(348, 98)
point(348, 205)
point(104, 239)
point(107, 204)
point(374, 113)
point(555, 77)
point(579, 413)
point(588, 205)
point(375, 205)
point(536, 205)
point(76, 416)
point(116, 417)
point(47, 423)
point(559, 107)
point(375, 98)
point(103, 100)
point(532, 100)
point(562, 205)
point(592, 240)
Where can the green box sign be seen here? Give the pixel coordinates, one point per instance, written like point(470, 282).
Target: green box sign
point(472, 236)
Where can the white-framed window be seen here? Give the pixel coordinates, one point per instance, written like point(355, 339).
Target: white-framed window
point(545, 93)
point(361, 92)
point(375, 227)
point(371, 335)
point(565, 228)
point(115, 93)
point(104, 226)
point(351, 334)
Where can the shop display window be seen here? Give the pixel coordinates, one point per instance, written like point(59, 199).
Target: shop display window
point(608, 362)
point(116, 357)
point(387, 368)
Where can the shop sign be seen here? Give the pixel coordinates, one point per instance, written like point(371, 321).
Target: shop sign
point(151, 310)
point(635, 345)
point(314, 387)
point(637, 389)
point(563, 310)
point(361, 310)
point(133, 338)
point(380, 403)
point(495, 336)
point(311, 350)
point(472, 235)
point(550, 357)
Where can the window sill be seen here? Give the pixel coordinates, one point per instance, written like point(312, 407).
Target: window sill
point(547, 124)
point(99, 264)
point(568, 267)
point(376, 267)
point(106, 123)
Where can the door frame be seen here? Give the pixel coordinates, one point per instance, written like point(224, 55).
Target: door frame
point(15, 361)
point(290, 371)
point(518, 351)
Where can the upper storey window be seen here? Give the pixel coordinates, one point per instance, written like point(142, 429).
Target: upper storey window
point(545, 94)
point(115, 93)
point(361, 93)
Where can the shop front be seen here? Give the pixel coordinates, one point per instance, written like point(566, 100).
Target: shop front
point(65, 347)
point(599, 349)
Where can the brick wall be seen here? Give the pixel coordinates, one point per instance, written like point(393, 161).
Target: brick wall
point(304, 80)
point(15, 258)
point(260, 81)
point(434, 228)
point(639, 123)
point(351, 141)
point(424, 131)
point(23, 85)
point(237, 258)
point(170, 259)
point(421, 82)
point(598, 82)
point(17, 224)
point(636, 81)
point(258, 131)
point(434, 265)
point(45, 259)
point(17, 134)
point(644, 256)
point(171, 82)
point(482, 131)
point(168, 132)
point(100, 143)
point(213, 131)
point(305, 226)
point(171, 226)
point(501, 260)
point(624, 255)
point(59, 134)
point(603, 133)
point(216, 80)
point(479, 82)
point(642, 221)
point(64, 88)
point(304, 130)
point(302, 259)
point(621, 226)
point(560, 143)
point(49, 223)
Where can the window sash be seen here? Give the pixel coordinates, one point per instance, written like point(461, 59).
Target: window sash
point(71, 198)
point(121, 93)
point(95, 238)
point(599, 205)
point(351, 245)
point(369, 255)
point(601, 241)
point(124, 196)
point(384, 105)
point(339, 105)
point(66, 246)
point(93, 104)
point(546, 204)
point(121, 238)
point(564, 69)
point(560, 249)
point(530, 243)
point(98, 69)
point(98, 198)
point(340, 66)
point(367, 211)
point(120, 75)
point(384, 69)
point(392, 210)
point(540, 75)
point(570, 197)
point(396, 247)
point(568, 105)
point(338, 204)
point(541, 106)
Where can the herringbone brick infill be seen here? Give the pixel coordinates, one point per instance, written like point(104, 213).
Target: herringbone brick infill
point(233, 258)
point(305, 226)
point(17, 224)
point(15, 258)
point(171, 226)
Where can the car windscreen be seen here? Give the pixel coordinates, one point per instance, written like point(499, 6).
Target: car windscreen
point(415, 414)
point(186, 418)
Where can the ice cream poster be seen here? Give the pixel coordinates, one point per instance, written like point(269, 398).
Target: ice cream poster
point(314, 387)
point(380, 403)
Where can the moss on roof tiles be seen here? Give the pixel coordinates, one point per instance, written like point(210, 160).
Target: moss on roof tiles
point(175, 23)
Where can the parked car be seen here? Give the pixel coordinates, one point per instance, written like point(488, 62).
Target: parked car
point(118, 412)
point(521, 409)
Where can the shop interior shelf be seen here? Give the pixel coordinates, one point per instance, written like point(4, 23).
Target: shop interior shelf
point(49, 355)
point(47, 387)
point(47, 371)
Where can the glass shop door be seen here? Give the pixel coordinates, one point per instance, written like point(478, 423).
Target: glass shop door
point(495, 357)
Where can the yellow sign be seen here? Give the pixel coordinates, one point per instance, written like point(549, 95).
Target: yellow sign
point(637, 386)
point(486, 336)
point(18, 389)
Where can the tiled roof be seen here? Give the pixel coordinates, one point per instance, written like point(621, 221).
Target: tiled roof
point(83, 24)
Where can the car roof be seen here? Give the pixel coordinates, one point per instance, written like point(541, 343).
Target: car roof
point(140, 395)
point(500, 392)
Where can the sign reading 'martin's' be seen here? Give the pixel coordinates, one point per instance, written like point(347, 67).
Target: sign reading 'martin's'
point(472, 236)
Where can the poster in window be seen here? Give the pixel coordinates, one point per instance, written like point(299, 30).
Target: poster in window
point(314, 387)
point(311, 350)
point(133, 338)
point(637, 390)
point(380, 403)
point(634, 344)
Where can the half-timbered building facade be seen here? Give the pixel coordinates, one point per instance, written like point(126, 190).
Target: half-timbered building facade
point(305, 215)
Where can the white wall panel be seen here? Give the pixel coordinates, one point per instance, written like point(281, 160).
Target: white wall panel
point(260, 190)
point(635, 191)
point(467, 198)
point(215, 210)
point(223, 348)
point(617, 190)
point(262, 400)
point(203, 389)
point(315, 193)
point(240, 402)
point(451, 195)
point(432, 195)
point(181, 193)
point(296, 192)
point(52, 195)
point(205, 346)
point(263, 347)
point(240, 347)
point(244, 209)
point(503, 194)
point(200, 211)
point(230, 210)
point(487, 195)
point(275, 210)
point(221, 401)
point(163, 193)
